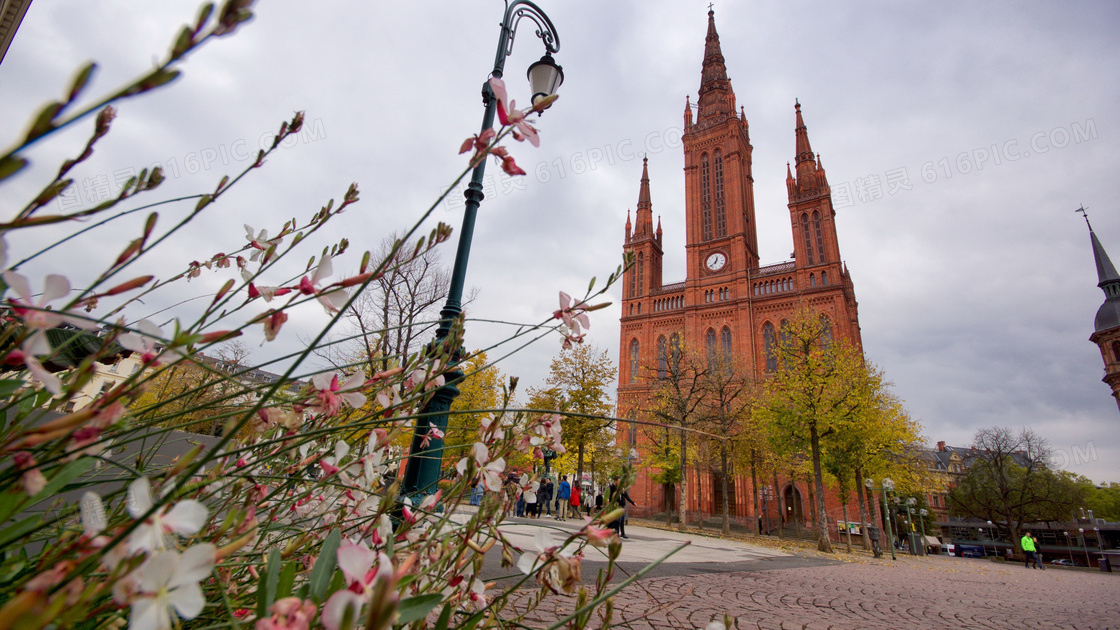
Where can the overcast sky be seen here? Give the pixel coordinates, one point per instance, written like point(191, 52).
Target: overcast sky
point(974, 276)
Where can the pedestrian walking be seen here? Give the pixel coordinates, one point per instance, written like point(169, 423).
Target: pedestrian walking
point(875, 535)
point(1029, 555)
point(624, 502)
point(574, 500)
point(563, 495)
point(599, 501)
point(545, 496)
point(476, 493)
point(530, 496)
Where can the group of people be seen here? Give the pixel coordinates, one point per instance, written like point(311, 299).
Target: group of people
point(568, 500)
point(1030, 552)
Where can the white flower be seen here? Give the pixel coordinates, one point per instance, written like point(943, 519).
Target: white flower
point(185, 519)
point(170, 581)
point(530, 562)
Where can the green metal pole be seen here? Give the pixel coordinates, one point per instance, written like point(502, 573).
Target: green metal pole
point(890, 529)
point(421, 475)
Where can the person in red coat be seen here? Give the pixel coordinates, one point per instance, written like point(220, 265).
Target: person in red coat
point(574, 499)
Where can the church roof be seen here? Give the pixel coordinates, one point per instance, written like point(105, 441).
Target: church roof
point(1108, 315)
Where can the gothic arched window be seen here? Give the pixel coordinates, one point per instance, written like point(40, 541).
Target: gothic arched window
point(705, 198)
point(634, 360)
point(812, 280)
point(633, 284)
point(632, 431)
point(807, 238)
point(820, 235)
point(826, 332)
point(725, 342)
point(662, 357)
point(770, 345)
point(824, 278)
point(675, 353)
point(710, 346)
point(721, 216)
point(641, 272)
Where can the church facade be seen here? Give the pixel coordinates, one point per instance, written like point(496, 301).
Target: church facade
point(728, 302)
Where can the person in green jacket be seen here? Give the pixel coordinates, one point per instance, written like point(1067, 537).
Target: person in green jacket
point(1029, 552)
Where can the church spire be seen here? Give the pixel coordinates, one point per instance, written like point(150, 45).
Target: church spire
point(644, 224)
point(805, 163)
point(1106, 325)
point(1106, 271)
point(716, 100)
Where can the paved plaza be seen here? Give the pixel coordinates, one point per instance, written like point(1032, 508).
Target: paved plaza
point(771, 588)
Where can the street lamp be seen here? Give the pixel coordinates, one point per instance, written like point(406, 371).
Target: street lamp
point(992, 535)
point(421, 475)
point(1084, 545)
point(1069, 547)
point(923, 513)
point(980, 531)
point(888, 486)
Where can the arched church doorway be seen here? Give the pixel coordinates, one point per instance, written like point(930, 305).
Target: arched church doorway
point(794, 513)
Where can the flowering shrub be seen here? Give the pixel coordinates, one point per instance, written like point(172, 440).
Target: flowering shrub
point(292, 517)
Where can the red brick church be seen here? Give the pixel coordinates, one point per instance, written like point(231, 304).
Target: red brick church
point(727, 302)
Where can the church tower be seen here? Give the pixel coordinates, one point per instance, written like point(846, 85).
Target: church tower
point(728, 304)
point(1106, 327)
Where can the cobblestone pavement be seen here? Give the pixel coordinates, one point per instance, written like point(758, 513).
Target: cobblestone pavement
point(933, 592)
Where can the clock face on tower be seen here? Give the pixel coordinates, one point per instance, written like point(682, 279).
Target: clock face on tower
point(715, 261)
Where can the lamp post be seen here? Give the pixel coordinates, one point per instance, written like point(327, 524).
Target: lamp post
point(983, 546)
point(888, 486)
point(992, 535)
point(1069, 547)
point(912, 536)
point(1084, 545)
point(421, 476)
point(923, 513)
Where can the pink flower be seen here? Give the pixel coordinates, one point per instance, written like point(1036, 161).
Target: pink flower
point(573, 316)
point(185, 519)
point(598, 536)
point(509, 115)
point(357, 564)
point(491, 471)
point(35, 313)
point(332, 300)
point(32, 478)
point(272, 321)
point(290, 613)
point(148, 341)
point(169, 581)
point(330, 394)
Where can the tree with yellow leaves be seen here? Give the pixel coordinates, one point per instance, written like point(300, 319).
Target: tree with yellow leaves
point(819, 385)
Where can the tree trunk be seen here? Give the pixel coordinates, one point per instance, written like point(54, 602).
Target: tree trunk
point(847, 527)
point(579, 469)
point(726, 512)
point(812, 503)
point(781, 507)
point(862, 509)
point(798, 509)
point(682, 506)
point(823, 543)
point(754, 490)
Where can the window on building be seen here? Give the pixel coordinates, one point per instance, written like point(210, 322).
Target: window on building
point(634, 282)
point(634, 360)
point(819, 234)
point(1116, 350)
point(105, 387)
point(824, 278)
point(675, 353)
point(721, 216)
point(770, 347)
point(725, 342)
point(710, 346)
point(705, 198)
point(662, 357)
point(806, 237)
point(632, 430)
point(641, 273)
point(812, 280)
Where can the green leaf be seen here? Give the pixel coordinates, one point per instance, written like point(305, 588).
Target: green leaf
point(324, 566)
point(266, 591)
point(69, 473)
point(44, 121)
point(444, 619)
point(11, 502)
point(80, 80)
point(287, 579)
point(10, 166)
point(20, 528)
point(183, 42)
point(9, 386)
point(418, 607)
